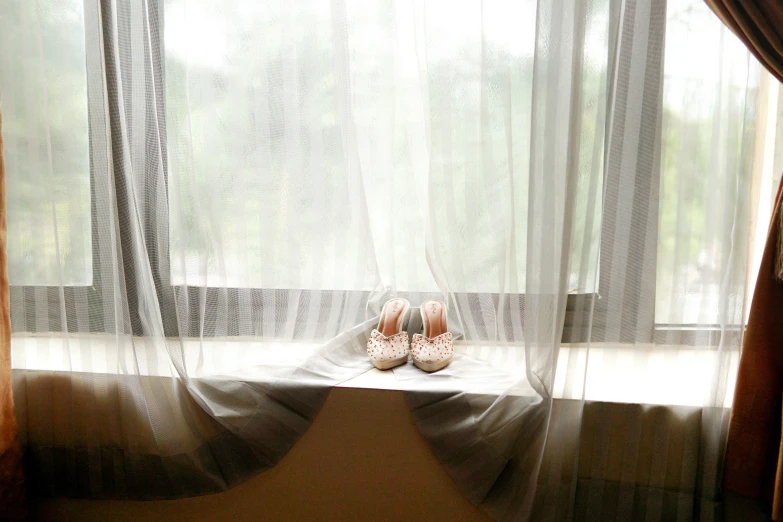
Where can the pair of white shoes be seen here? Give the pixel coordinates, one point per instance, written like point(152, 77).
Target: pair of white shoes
point(388, 345)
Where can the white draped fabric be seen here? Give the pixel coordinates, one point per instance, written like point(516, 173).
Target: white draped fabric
point(210, 200)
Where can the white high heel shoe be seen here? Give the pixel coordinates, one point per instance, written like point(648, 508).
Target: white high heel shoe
point(388, 344)
point(433, 350)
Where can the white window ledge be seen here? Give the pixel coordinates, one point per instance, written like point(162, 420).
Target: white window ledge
point(640, 374)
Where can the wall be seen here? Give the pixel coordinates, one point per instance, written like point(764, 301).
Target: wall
point(362, 459)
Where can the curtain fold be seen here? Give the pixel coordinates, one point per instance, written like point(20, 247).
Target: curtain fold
point(758, 24)
point(753, 463)
point(12, 488)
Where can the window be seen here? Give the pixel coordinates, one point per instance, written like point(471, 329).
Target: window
point(44, 96)
point(276, 128)
point(705, 127)
point(297, 146)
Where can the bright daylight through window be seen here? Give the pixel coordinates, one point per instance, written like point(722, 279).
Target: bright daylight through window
point(44, 96)
point(269, 122)
point(270, 126)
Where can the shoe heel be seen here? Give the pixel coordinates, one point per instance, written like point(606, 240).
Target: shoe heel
point(431, 367)
point(388, 365)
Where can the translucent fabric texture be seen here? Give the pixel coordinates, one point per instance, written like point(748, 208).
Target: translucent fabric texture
point(210, 201)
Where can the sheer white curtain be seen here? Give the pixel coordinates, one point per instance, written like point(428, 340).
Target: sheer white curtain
point(676, 244)
point(209, 201)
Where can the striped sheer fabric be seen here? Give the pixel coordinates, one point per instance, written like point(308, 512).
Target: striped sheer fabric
point(210, 201)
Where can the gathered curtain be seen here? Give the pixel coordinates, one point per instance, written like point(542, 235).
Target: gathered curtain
point(757, 24)
point(12, 490)
point(754, 458)
point(210, 201)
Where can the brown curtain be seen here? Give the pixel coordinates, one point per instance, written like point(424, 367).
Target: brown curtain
point(754, 455)
point(11, 480)
point(759, 24)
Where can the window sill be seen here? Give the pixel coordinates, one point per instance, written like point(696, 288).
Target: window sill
point(636, 374)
